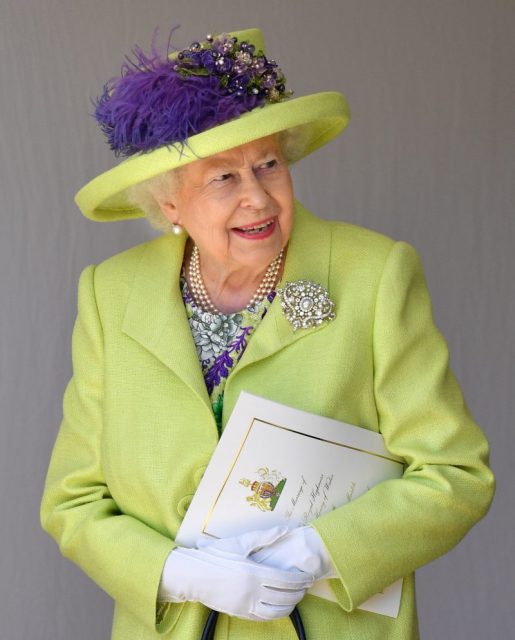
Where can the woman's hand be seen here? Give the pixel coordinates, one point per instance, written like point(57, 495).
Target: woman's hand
point(231, 583)
point(298, 549)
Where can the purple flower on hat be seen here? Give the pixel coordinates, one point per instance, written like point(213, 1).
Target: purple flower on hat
point(223, 64)
point(239, 67)
point(244, 57)
point(269, 80)
point(159, 100)
point(208, 61)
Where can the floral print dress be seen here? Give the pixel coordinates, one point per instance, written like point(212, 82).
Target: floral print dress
point(221, 340)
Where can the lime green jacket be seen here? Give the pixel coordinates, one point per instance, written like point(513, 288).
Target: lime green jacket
point(138, 429)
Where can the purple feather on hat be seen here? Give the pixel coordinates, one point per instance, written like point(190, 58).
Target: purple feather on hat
point(158, 101)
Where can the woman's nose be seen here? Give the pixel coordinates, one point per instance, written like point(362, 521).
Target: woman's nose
point(253, 193)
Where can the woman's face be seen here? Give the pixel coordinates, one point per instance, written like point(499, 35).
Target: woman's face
point(237, 206)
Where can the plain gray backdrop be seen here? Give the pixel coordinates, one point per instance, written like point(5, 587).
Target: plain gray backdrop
point(427, 158)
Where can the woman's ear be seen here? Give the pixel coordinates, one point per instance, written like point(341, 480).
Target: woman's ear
point(170, 211)
point(167, 196)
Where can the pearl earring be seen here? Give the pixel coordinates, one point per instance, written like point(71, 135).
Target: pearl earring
point(176, 229)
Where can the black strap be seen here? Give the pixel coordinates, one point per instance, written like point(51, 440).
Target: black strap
point(209, 629)
point(297, 623)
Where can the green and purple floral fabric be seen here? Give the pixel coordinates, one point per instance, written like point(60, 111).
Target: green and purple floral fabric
point(221, 340)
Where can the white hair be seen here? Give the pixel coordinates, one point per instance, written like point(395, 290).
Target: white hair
point(148, 194)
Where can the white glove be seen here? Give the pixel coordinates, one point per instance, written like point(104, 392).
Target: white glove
point(231, 584)
point(298, 549)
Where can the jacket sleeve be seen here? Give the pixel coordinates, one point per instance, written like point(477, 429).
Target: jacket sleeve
point(399, 525)
point(121, 554)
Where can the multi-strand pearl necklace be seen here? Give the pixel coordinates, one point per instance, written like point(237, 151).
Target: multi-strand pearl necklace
point(201, 296)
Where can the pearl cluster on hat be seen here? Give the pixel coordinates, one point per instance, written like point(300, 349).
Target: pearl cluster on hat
point(239, 68)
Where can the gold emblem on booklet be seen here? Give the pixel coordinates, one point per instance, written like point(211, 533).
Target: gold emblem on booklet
point(266, 491)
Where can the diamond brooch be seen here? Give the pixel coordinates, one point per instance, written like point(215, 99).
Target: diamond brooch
point(306, 304)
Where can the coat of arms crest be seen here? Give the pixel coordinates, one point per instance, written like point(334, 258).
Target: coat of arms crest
point(265, 491)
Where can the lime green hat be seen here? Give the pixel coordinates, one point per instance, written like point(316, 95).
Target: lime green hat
point(259, 106)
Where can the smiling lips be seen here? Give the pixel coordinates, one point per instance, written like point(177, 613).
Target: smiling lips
point(256, 231)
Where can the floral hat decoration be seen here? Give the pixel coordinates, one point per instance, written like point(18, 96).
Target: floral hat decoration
point(165, 111)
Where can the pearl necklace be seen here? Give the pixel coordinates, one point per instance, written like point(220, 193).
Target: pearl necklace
point(201, 296)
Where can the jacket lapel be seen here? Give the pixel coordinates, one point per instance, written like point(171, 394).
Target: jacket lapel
point(307, 258)
point(155, 315)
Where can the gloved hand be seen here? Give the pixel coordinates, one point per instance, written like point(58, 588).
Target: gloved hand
point(289, 549)
point(231, 583)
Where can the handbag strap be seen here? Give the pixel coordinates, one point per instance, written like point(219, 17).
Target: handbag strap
point(209, 629)
point(297, 623)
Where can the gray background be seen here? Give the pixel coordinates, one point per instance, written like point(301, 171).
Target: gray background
point(428, 158)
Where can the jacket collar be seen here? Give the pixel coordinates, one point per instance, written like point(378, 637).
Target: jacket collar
point(155, 316)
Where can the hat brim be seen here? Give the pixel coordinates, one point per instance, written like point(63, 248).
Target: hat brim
point(319, 117)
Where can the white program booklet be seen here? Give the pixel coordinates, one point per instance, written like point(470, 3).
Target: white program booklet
point(278, 465)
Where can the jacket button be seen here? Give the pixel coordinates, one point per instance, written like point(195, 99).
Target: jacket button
point(183, 504)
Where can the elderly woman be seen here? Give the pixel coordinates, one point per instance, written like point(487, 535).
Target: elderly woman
point(169, 332)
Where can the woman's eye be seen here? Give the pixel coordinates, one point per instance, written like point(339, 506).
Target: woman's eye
point(222, 178)
point(269, 165)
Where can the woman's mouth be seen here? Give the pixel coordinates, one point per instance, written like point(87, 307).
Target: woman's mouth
point(256, 231)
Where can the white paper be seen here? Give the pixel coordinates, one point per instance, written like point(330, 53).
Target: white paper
point(279, 465)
